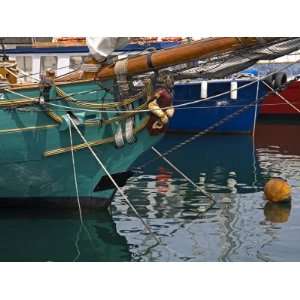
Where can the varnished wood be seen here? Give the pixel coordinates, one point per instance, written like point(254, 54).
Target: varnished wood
point(8, 71)
point(160, 59)
point(182, 54)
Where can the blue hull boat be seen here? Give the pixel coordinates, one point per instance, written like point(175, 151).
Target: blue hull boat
point(206, 113)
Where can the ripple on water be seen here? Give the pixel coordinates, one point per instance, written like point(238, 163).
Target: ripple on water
point(238, 227)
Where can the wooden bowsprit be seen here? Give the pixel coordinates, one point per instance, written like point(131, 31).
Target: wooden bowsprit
point(179, 55)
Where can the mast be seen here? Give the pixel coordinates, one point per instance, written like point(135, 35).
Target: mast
point(181, 54)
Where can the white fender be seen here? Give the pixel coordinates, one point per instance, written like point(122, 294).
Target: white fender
point(233, 90)
point(129, 130)
point(204, 89)
point(119, 137)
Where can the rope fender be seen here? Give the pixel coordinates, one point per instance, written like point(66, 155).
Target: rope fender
point(159, 118)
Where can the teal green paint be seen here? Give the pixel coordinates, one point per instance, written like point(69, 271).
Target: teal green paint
point(29, 174)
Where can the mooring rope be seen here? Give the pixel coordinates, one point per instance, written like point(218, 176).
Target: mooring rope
point(208, 195)
point(114, 182)
point(256, 107)
point(157, 239)
point(220, 122)
point(82, 225)
point(203, 132)
point(283, 98)
point(162, 156)
point(75, 174)
point(77, 196)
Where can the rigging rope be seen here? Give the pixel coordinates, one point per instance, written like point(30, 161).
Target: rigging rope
point(23, 109)
point(165, 108)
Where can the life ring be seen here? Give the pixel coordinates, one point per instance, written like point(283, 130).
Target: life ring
point(159, 118)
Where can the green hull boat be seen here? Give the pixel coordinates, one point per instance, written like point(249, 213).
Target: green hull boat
point(119, 108)
point(35, 144)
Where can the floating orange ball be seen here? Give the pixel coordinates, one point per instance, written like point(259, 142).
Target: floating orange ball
point(277, 190)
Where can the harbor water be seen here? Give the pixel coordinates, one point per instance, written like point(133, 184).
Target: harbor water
point(239, 226)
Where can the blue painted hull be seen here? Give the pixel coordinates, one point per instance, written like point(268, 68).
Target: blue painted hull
point(205, 114)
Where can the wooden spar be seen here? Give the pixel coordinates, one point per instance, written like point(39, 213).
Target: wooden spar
point(181, 54)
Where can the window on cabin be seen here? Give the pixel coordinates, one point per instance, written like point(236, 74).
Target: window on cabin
point(48, 62)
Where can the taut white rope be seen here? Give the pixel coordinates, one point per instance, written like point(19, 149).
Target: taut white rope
point(283, 98)
point(182, 174)
point(165, 108)
point(114, 182)
point(82, 225)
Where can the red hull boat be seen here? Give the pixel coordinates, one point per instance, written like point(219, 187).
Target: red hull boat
point(273, 105)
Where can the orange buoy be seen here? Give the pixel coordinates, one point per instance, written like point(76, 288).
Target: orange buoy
point(277, 190)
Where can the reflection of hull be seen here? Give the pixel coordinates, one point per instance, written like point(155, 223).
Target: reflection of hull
point(240, 226)
point(267, 135)
point(206, 114)
point(276, 154)
point(50, 236)
point(216, 156)
point(277, 212)
point(275, 106)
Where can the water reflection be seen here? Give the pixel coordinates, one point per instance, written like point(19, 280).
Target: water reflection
point(239, 227)
point(277, 212)
point(35, 235)
point(163, 184)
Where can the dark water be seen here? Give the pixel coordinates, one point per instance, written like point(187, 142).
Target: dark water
point(240, 226)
